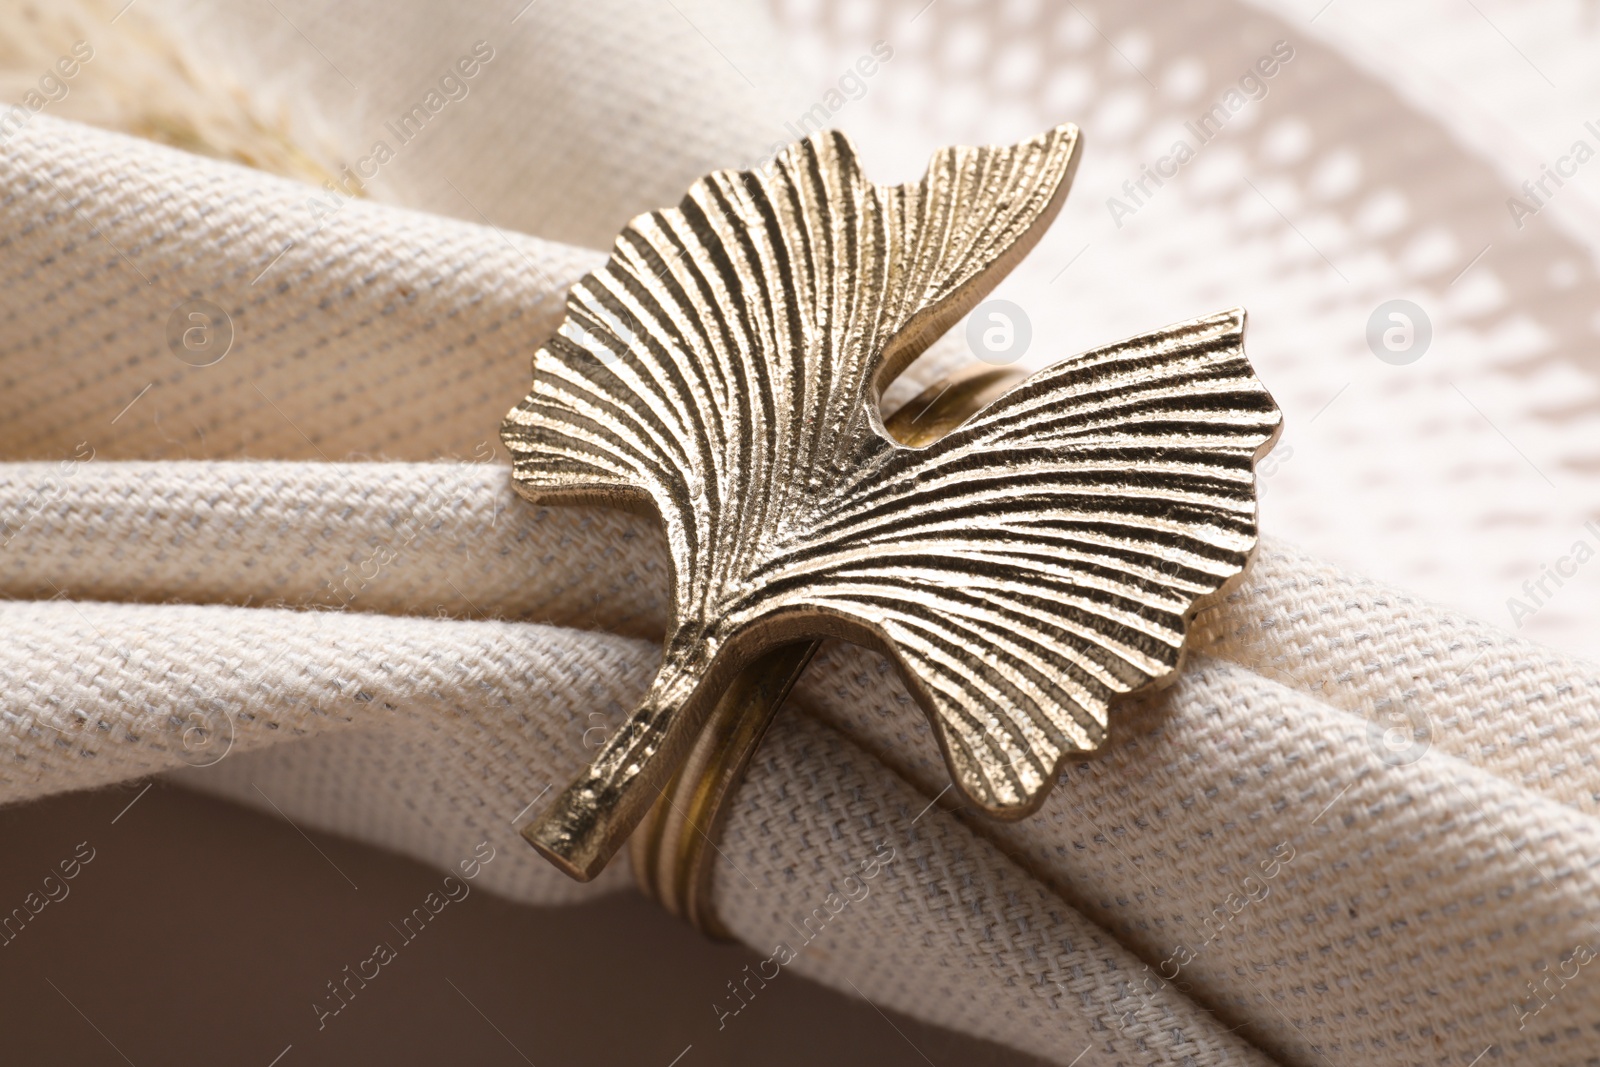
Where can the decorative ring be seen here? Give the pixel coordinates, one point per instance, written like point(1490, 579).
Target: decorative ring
point(1022, 572)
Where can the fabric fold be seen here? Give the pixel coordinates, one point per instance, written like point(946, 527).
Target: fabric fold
point(1258, 838)
point(1255, 846)
point(876, 892)
point(1359, 829)
point(373, 329)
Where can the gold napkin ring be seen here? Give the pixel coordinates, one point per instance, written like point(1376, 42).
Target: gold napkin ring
point(1021, 570)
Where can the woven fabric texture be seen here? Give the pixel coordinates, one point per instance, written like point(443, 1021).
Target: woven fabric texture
point(1421, 789)
point(1359, 829)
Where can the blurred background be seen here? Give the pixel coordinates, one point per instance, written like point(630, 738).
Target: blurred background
point(1406, 198)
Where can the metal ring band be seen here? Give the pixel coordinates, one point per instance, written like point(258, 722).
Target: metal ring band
point(674, 848)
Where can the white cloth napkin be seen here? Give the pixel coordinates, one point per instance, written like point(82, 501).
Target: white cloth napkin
point(1358, 830)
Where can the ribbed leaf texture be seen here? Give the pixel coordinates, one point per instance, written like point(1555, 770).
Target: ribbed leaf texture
point(723, 369)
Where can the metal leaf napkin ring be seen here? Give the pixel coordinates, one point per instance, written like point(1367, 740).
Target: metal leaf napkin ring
point(723, 371)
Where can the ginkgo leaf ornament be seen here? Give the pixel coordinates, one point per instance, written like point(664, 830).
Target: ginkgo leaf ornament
point(722, 371)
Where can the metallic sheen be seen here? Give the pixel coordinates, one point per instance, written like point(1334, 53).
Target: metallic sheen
point(722, 371)
point(675, 847)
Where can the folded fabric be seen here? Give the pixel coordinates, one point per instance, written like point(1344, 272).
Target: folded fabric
point(1264, 841)
point(1358, 829)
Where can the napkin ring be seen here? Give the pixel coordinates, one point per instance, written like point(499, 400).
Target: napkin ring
point(1037, 557)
